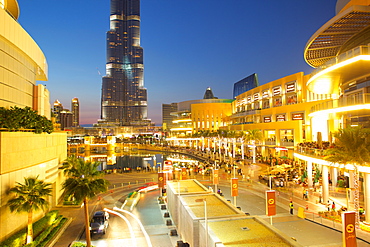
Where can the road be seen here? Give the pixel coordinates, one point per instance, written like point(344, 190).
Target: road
point(251, 200)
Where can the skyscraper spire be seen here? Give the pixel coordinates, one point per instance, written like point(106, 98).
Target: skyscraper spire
point(124, 98)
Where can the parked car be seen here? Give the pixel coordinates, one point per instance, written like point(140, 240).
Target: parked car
point(99, 222)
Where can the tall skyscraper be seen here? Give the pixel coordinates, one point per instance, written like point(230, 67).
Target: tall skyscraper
point(57, 108)
point(167, 118)
point(75, 106)
point(124, 98)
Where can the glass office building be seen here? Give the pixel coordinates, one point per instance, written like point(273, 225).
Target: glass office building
point(124, 98)
point(246, 84)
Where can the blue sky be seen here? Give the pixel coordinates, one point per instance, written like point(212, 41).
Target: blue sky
point(189, 45)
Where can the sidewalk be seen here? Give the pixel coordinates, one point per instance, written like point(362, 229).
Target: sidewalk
point(311, 205)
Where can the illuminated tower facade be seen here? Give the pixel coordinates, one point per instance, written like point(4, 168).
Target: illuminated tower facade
point(124, 98)
point(75, 106)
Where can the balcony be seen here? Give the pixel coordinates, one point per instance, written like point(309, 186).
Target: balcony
point(346, 103)
point(312, 152)
point(348, 66)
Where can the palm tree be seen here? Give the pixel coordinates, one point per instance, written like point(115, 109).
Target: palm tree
point(352, 146)
point(252, 136)
point(83, 182)
point(29, 197)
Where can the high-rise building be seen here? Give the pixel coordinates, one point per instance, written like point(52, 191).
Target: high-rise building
point(167, 118)
point(242, 86)
point(124, 98)
point(66, 119)
point(57, 108)
point(75, 106)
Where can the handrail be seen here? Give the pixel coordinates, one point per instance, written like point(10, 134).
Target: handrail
point(348, 100)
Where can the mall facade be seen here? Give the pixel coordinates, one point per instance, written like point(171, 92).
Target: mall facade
point(302, 108)
point(25, 154)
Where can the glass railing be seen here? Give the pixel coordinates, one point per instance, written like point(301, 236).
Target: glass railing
point(314, 152)
point(350, 100)
point(360, 50)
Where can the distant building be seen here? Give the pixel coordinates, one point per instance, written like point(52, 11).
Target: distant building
point(209, 94)
point(75, 106)
point(124, 98)
point(167, 118)
point(66, 119)
point(246, 84)
point(57, 108)
point(205, 114)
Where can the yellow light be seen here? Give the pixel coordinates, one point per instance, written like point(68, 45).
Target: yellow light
point(340, 109)
point(181, 120)
point(332, 68)
point(180, 129)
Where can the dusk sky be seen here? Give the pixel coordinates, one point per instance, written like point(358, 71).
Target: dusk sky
point(189, 45)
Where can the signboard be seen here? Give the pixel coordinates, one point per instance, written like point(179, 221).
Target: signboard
point(161, 179)
point(297, 116)
point(234, 187)
point(167, 165)
point(215, 176)
point(280, 118)
point(290, 87)
point(349, 229)
point(267, 119)
point(184, 174)
point(270, 203)
point(276, 91)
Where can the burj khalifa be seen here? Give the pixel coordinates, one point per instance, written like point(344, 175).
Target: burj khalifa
point(124, 98)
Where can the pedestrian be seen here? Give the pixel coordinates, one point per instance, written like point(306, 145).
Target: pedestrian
point(291, 207)
point(328, 205)
point(306, 194)
point(333, 207)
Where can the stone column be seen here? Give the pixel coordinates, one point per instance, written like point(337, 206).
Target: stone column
point(309, 174)
point(325, 184)
point(367, 195)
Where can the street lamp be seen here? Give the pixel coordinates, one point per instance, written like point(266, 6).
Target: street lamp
point(205, 217)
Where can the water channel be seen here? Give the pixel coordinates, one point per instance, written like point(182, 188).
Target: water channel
point(137, 160)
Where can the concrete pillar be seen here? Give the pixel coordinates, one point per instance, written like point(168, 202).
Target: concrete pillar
point(325, 184)
point(242, 151)
point(334, 176)
point(309, 174)
point(352, 185)
point(367, 195)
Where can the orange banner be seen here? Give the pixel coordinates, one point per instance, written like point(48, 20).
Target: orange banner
point(349, 229)
point(161, 179)
point(234, 187)
point(270, 203)
point(184, 174)
point(215, 176)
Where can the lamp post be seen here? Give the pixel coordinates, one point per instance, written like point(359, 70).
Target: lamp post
point(205, 217)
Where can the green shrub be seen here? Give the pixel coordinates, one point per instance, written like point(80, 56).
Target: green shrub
point(19, 238)
point(79, 244)
point(16, 118)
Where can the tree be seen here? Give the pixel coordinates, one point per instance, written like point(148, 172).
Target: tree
point(83, 182)
point(29, 197)
point(352, 146)
point(252, 136)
